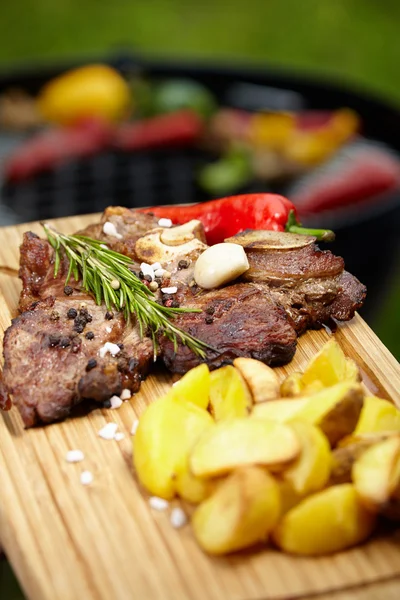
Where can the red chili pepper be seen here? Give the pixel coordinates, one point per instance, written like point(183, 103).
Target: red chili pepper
point(50, 148)
point(181, 128)
point(227, 216)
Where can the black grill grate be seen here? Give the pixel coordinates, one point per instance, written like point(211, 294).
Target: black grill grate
point(89, 185)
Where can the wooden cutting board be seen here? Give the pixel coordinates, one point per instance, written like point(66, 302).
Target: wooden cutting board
point(68, 541)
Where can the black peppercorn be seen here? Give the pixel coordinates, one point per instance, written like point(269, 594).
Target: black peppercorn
point(92, 363)
point(148, 278)
point(209, 320)
point(108, 316)
point(158, 280)
point(107, 404)
point(71, 314)
point(175, 304)
point(210, 310)
point(183, 264)
point(120, 346)
point(141, 275)
point(89, 335)
point(68, 290)
point(54, 340)
point(65, 342)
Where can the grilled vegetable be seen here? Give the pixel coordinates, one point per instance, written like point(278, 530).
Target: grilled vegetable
point(90, 91)
point(178, 129)
point(225, 217)
point(178, 94)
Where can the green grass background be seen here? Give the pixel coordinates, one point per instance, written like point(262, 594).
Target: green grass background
point(353, 40)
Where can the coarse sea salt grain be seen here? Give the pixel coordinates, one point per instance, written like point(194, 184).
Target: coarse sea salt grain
point(108, 431)
point(169, 290)
point(113, 349)
point(134, 427)
point(109, 329)
point(125, 394)
point(155, 266)
point(86, 478)
point(147, 270)
point(165, 223)
point(159, 272)
point(158, 503)
point(178, 518)
point(74, 456)
point(116, 402)
point(110, 229)
point(119, 436)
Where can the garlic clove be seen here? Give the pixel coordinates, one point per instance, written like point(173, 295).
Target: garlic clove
point(220, 264)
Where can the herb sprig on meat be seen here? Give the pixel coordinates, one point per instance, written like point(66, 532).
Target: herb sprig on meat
point(108, 276)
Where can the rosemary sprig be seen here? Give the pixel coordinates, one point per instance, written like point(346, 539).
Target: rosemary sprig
point(107, 275)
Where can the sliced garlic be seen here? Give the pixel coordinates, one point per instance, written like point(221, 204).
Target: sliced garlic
point(220, 264)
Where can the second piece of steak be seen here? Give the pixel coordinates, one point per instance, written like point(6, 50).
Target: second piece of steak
point(238, 320)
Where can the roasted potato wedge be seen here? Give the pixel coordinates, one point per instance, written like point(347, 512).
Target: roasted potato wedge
point(378, 415)
point(279, 410)
point(310, 471)
point(335, 410)
point(292, 386)
point(191, 488)
point(376, 474)
point(229, 395)
point(240, 442)
point(194, 386)
point(241, 512)
point(262, 381)
point(289, 497)
point(329, 521)
point(348, 451)
point(330, 366)
point(167, 430)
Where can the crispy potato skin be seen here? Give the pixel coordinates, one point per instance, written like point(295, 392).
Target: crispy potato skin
point(376, 476)
point(229, 395)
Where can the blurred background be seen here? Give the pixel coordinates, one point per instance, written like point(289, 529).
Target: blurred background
point(301, 98)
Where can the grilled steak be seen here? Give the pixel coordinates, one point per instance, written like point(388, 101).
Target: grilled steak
point(54, 351)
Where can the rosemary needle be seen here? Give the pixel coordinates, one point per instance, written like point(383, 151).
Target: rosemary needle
point(107, 275)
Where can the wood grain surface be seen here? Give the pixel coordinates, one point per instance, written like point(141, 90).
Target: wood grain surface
point(67, 541)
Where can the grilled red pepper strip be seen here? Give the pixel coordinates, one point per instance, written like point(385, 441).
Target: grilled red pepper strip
point(181, 128)
point(50, 148)
point(227, 216)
